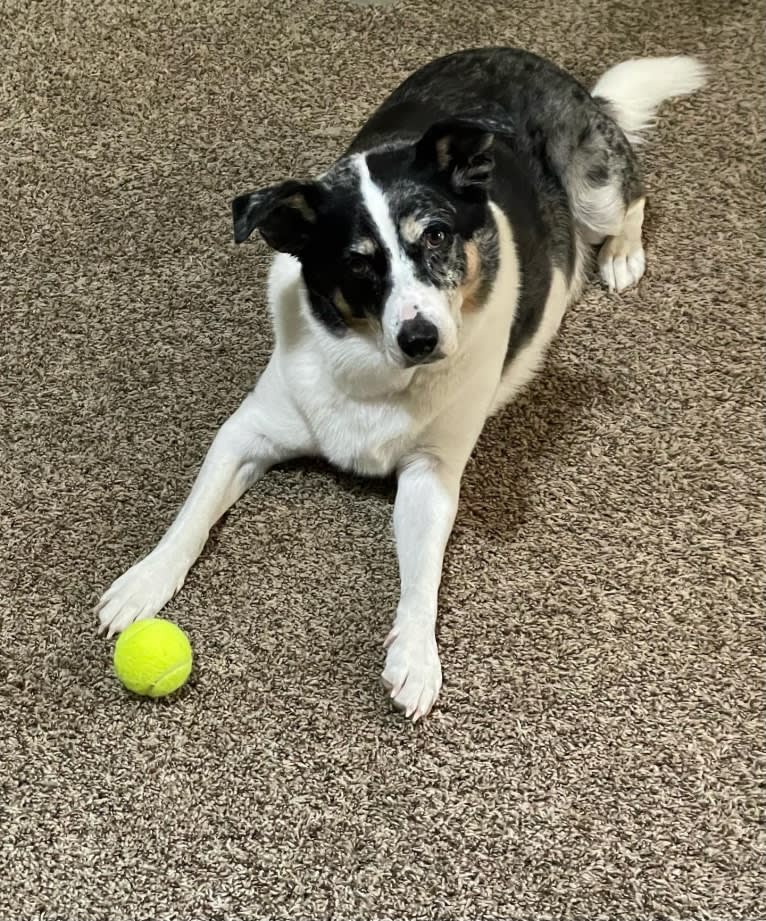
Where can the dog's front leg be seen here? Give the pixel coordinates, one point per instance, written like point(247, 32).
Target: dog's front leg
point(426, 504)
point(265, 430)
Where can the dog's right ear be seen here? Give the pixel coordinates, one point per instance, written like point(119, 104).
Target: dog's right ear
point(285, 215)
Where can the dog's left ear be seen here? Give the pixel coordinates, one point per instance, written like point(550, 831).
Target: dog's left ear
point(461, 151)
point(285, 215)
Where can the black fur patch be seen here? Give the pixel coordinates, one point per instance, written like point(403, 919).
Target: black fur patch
point(322, 223)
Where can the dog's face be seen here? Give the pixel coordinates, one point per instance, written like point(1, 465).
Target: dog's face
point(395, 244)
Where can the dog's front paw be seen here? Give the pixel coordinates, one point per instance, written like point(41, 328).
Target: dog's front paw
point(413, 672)
point(141, 592)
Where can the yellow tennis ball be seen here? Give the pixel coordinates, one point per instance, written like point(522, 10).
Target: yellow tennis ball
point(153, 657)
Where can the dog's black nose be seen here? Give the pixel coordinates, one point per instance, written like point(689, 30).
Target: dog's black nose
point(417, 338)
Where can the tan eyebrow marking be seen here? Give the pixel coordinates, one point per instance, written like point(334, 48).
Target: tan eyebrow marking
point(365, 247)
point(410, 228)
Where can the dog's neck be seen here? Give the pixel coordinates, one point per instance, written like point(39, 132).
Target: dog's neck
point(358, 368)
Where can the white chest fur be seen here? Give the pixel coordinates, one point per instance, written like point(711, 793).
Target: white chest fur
point(368, 437)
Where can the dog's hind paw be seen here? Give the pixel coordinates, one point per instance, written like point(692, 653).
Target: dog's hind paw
point(621, 263)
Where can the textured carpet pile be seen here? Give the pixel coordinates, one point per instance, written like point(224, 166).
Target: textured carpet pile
point(596, 750)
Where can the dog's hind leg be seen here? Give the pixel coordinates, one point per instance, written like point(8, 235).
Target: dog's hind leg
point(602, 174)
point(621, 258)
point(607, 200)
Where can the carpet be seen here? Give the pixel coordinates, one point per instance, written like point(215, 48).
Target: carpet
point(598, 746)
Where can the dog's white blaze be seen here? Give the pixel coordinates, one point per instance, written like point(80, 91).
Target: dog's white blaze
point(409, 296)
point(377, 206)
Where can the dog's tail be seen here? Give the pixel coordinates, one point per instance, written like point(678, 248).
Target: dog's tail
point(635, 89)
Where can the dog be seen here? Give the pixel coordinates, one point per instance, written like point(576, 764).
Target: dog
point(414, 290)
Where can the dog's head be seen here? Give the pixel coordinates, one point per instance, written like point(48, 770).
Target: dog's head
point(395, 244)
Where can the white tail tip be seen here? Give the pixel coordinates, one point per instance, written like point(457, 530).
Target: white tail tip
point(635, 89)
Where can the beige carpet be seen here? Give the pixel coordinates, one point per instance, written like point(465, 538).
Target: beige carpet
point(595, 754)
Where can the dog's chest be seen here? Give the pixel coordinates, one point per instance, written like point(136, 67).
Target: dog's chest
point(366, 436)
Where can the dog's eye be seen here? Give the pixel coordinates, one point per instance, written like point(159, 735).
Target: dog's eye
point(435, 237)
point(358, 265)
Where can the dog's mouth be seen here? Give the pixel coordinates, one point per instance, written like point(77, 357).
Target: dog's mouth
point(431, 359)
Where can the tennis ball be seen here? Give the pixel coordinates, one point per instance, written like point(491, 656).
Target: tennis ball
point(153, 657)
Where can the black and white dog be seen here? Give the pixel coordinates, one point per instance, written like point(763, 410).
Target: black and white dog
point(417, 285)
